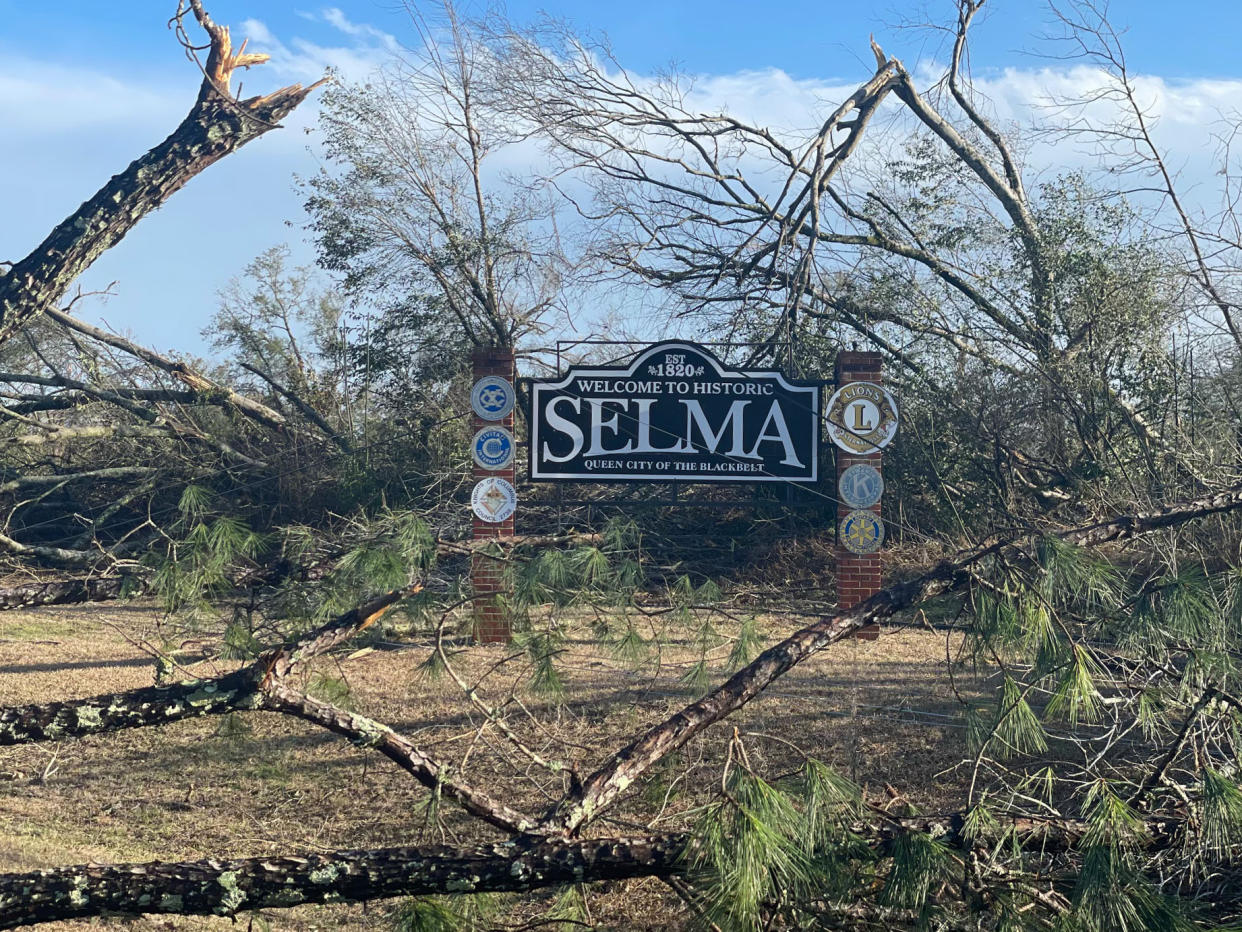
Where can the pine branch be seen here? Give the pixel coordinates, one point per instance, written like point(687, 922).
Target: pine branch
point(621, 770)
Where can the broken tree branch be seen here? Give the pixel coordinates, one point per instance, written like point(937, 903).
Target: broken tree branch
point(223, 887)
point(216, 125)
point(199, 384)
point(624, 767)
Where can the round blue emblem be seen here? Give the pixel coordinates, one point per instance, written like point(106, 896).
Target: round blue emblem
point(861, 486)
point(493, 448)
point(861, 532)
point(492, 398)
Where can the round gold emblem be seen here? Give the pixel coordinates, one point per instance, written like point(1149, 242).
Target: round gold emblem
point(862, 417)
point(861, 532)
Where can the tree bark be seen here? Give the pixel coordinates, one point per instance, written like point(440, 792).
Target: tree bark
point(65, 591)
point(216, 125)
point(223, 887)
point(261, 685)
point(154, 705)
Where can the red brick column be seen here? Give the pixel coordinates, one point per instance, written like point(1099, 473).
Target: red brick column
point(491, 620)
point(858, 576)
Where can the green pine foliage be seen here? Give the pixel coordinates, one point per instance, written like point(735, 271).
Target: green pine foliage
point(746, 644)
point(332, 689)
point(752, 852)
point(1220, 815)
point(1100, 699)
point(1111, 894)
point(766, 852)
point(920, 864)
point(240, 642)
point(542, 648)
point(570, 909)
point(202, 553)
point(1075, 696)
point(460, 913)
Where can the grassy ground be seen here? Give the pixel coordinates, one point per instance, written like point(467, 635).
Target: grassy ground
point(258, 784)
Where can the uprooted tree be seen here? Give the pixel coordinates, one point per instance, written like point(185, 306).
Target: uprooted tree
point(1099, 590)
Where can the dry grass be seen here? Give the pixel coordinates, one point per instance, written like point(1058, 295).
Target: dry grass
point(260, 784)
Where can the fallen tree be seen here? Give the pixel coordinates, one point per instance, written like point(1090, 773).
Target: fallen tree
point(110, 411)
point(547, 847)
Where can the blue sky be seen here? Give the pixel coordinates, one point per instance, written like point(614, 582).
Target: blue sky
point(87, 87)
point(807, 38)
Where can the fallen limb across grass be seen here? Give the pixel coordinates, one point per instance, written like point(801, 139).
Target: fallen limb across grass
point(536, 853)
point(225, 887)
point(628, 764)
point(261, 685)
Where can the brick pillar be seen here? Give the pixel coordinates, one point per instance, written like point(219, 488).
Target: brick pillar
point(859, 576)
point(491, 620)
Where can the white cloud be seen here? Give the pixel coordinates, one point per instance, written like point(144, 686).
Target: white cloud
point(40, 98)
point(300, 59)
point(256, 31)
point(66, 129)
point(335, 18)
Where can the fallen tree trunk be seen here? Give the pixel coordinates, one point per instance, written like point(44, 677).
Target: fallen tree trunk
point(68, 591)
point(154, 705)
point(261, 685)
point(223, 887)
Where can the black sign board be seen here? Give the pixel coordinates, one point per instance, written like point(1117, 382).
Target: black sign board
point(676, 414)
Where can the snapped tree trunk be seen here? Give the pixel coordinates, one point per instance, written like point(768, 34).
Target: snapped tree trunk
point(216, 125)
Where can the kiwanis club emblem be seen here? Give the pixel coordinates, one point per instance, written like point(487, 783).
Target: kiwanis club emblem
point(492, 398)
point(861, 486)
point(493, 448)
point(861, 532)
point(862, 418)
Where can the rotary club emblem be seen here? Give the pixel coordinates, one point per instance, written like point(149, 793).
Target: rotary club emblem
point(861, 532)
point(862, 418)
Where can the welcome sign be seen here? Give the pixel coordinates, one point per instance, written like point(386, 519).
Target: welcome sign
point(675, 414)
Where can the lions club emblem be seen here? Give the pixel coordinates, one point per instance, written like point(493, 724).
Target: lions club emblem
point(862, 418)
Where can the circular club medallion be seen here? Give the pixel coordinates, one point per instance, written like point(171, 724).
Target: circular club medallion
point(492, 398)
point(493, 500)
point(861, 532)
point(862, 417)
point(492, 448)
point(861, 486)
